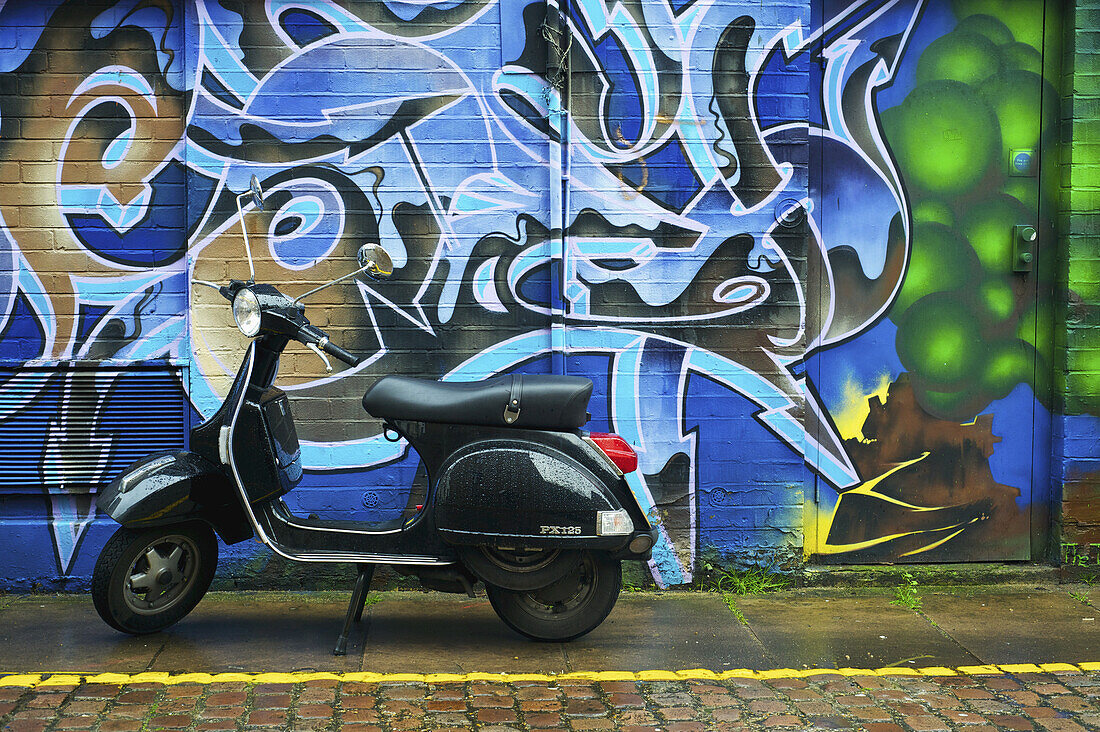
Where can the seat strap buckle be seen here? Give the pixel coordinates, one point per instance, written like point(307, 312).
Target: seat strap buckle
point(515, 393)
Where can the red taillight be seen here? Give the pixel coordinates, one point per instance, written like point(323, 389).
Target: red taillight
point(617, 449)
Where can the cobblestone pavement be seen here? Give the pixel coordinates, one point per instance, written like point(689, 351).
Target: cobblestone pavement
point(1055, 697)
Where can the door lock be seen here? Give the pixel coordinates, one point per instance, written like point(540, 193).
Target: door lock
point(1024, 238)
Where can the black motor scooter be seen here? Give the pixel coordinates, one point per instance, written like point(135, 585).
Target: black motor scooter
point(519, 497)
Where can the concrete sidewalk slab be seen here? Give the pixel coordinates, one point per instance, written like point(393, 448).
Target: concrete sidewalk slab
point(644, 631)
point(64, 633)
point(437, 633)
point(400, 632)
point(269, 631)
point(384, 683)
point(1018, 627)
point(825, 629)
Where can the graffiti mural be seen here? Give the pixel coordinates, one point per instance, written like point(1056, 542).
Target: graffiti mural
point(742, 221)
point(954, 440)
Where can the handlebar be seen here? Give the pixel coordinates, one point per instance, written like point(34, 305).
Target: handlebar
point(281, 310)
point(316, 336)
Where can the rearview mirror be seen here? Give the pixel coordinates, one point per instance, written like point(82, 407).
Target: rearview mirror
point(257, 192)
point(374, 260)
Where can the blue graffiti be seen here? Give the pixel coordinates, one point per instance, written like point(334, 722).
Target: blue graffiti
point(656, 216)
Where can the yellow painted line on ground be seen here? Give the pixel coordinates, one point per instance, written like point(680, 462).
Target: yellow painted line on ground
point(47, 680)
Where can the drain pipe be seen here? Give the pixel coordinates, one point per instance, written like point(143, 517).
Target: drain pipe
point(558, 41)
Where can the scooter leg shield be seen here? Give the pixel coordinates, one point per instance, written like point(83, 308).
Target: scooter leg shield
point(171, 487)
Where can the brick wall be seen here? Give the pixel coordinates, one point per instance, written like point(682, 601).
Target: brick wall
point(1077, 378)
point(727, 279)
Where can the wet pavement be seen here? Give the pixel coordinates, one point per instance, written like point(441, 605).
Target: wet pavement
point(1018, 658)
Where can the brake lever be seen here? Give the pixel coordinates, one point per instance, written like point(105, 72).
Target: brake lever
point(313, 347)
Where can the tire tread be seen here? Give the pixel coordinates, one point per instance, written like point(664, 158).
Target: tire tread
point(115, 552)
point(508, 606)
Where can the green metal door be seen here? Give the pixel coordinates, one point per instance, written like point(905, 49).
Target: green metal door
point(937, 382)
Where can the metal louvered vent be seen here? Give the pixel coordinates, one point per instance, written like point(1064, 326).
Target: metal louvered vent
point(72, 428)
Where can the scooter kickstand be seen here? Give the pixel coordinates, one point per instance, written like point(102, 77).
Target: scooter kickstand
point(355, 607)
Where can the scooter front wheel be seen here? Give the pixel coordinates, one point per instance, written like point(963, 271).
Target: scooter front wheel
point(146, 580)
point(566, 609)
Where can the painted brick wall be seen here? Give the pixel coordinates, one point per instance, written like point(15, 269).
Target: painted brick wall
point(774, 237)
point(1077, 440)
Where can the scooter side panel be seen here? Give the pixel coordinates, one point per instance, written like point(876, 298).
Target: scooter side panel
point(513, 508)
point(169, 487)
point(508, 489)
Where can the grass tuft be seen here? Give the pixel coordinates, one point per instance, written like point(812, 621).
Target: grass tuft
point(731, 602)
point(753, 581)
point(733, 582)
point(906, 595)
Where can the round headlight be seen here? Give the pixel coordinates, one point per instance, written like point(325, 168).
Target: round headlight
point(246, 311)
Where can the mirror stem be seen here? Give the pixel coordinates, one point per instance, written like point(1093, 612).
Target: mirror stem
point(337, 281)
point(244, 231)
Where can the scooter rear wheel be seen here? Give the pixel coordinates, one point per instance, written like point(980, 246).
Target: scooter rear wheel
point(566, 609)
point(518, 569)
point(146, 580)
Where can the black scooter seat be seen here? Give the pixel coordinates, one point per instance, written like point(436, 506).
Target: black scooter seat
point(544, 402)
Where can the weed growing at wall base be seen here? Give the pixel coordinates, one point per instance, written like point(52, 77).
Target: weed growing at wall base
point(733, 582)
point(731, 603)
point(754, 581)
point(906, 595)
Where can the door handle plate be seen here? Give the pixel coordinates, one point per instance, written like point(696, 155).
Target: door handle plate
point(1024, 238)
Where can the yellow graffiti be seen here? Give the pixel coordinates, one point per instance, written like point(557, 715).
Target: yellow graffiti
point(631, 192)
point(941, 542)
point(868, 489)
point(850, 417)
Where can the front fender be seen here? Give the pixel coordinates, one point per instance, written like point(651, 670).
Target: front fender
point(169, 487)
